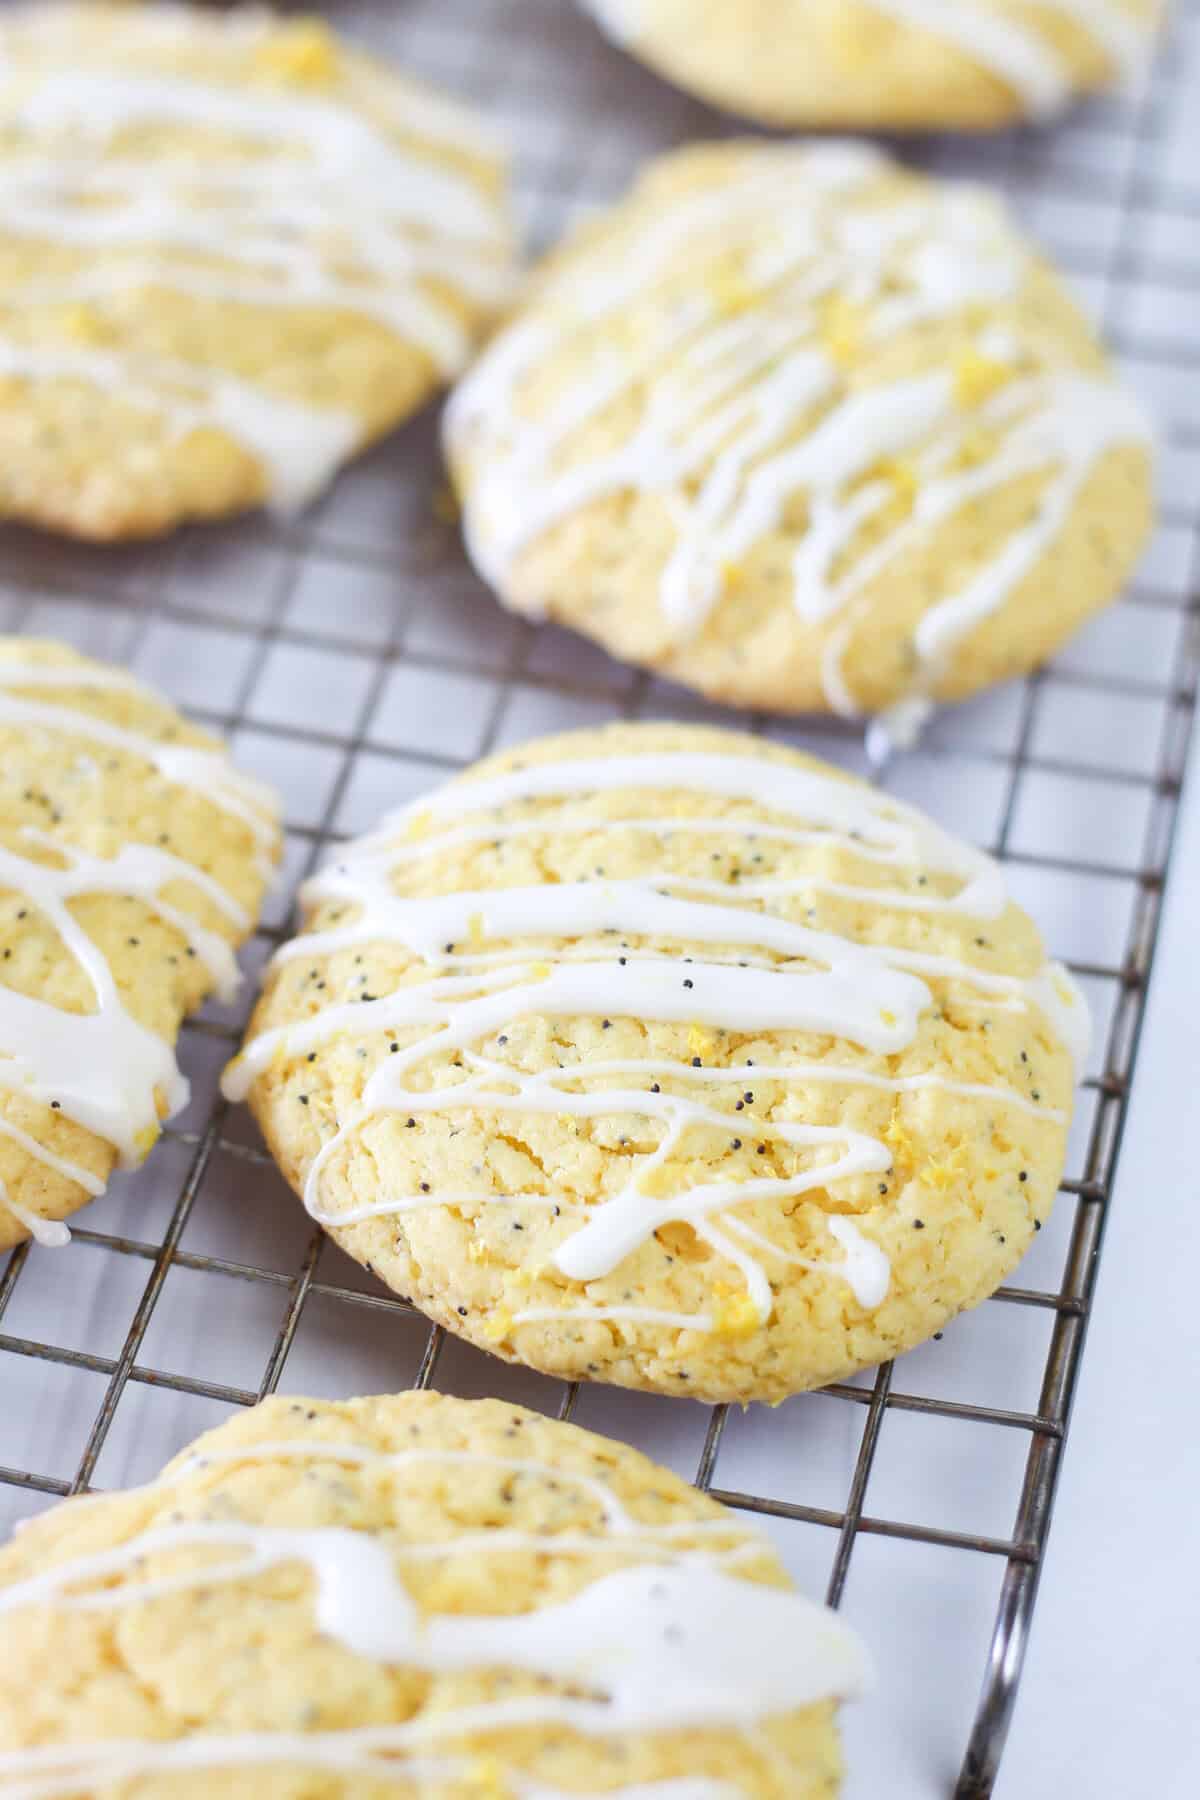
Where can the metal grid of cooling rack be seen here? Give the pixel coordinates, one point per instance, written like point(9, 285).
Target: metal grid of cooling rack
point(354, 660)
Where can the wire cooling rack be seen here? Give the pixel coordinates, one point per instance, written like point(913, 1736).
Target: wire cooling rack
point(354, 661)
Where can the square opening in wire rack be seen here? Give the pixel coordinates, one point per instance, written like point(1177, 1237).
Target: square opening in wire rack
point(201, 1283)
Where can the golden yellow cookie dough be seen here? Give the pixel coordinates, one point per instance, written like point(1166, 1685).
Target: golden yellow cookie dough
point(133, 857)
point(805, 430)
point(233, 251)
point(895, 65)
point(266, 1663)
point(665, 1056)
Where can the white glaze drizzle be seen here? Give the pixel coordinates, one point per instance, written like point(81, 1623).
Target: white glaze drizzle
point(1079, 421)
point(47, 25)
point(656, 1646)
point(846, 810)
point(102, 1068)
point(722, 1659)
point(91, 1184)
point(687, 1787)
point(330, 211)
point(299, 446)
point(805, 979)
point(51, 1234)
point(618, 17)
point(1124, 38)
point(622, 1530)
point(898, 727)
point(725, 398)
point(98, 106)
point(371, 1752)
point(1007, 45)
point(1015, 51)
point(615, 1514)
point(210, 773)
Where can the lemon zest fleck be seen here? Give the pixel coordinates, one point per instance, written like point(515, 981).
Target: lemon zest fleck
point(303, 51)
point(83, 324)
point(147, 1138)
point(841, 330)
point(659, 1182)
point(977, 377)
point(730, 292)
point(977, 448)
point(498, 1326)
point(945, 1172)
point(486, 1779)
point(898, 1138)
point(901, 475)
point(735, 1314)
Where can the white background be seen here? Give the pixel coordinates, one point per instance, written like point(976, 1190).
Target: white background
point(355, 661)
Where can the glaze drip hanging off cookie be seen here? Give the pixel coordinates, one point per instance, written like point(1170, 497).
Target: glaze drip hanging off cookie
point(133, 857)
point(671, 1058)
point(451, 1599)
point(887, 64)
point(233, 252)
point(803, 430)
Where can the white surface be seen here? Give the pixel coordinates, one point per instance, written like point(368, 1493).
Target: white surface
point(1109, 1700)
point(366, 575)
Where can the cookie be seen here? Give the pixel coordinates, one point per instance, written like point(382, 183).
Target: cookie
point(458, 1597)
point(232, 252)
point(804, 430)
point(895, 65)
point(133, 856)
point(668, 1057)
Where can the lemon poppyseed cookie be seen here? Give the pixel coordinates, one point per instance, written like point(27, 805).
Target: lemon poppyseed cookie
point(664, 1056)
point(457, 1597)
point(133, 856)
point(232, 252)
point(897, 65)
point(802, 429)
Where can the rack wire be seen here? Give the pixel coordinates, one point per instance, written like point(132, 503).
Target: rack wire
point(354, 659)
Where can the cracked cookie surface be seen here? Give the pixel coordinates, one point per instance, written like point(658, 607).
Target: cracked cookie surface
point(133, 859)
point(898, 65)
point(805, 430)
point(233, 251)
point(669, 1057)
point(323, 1600)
